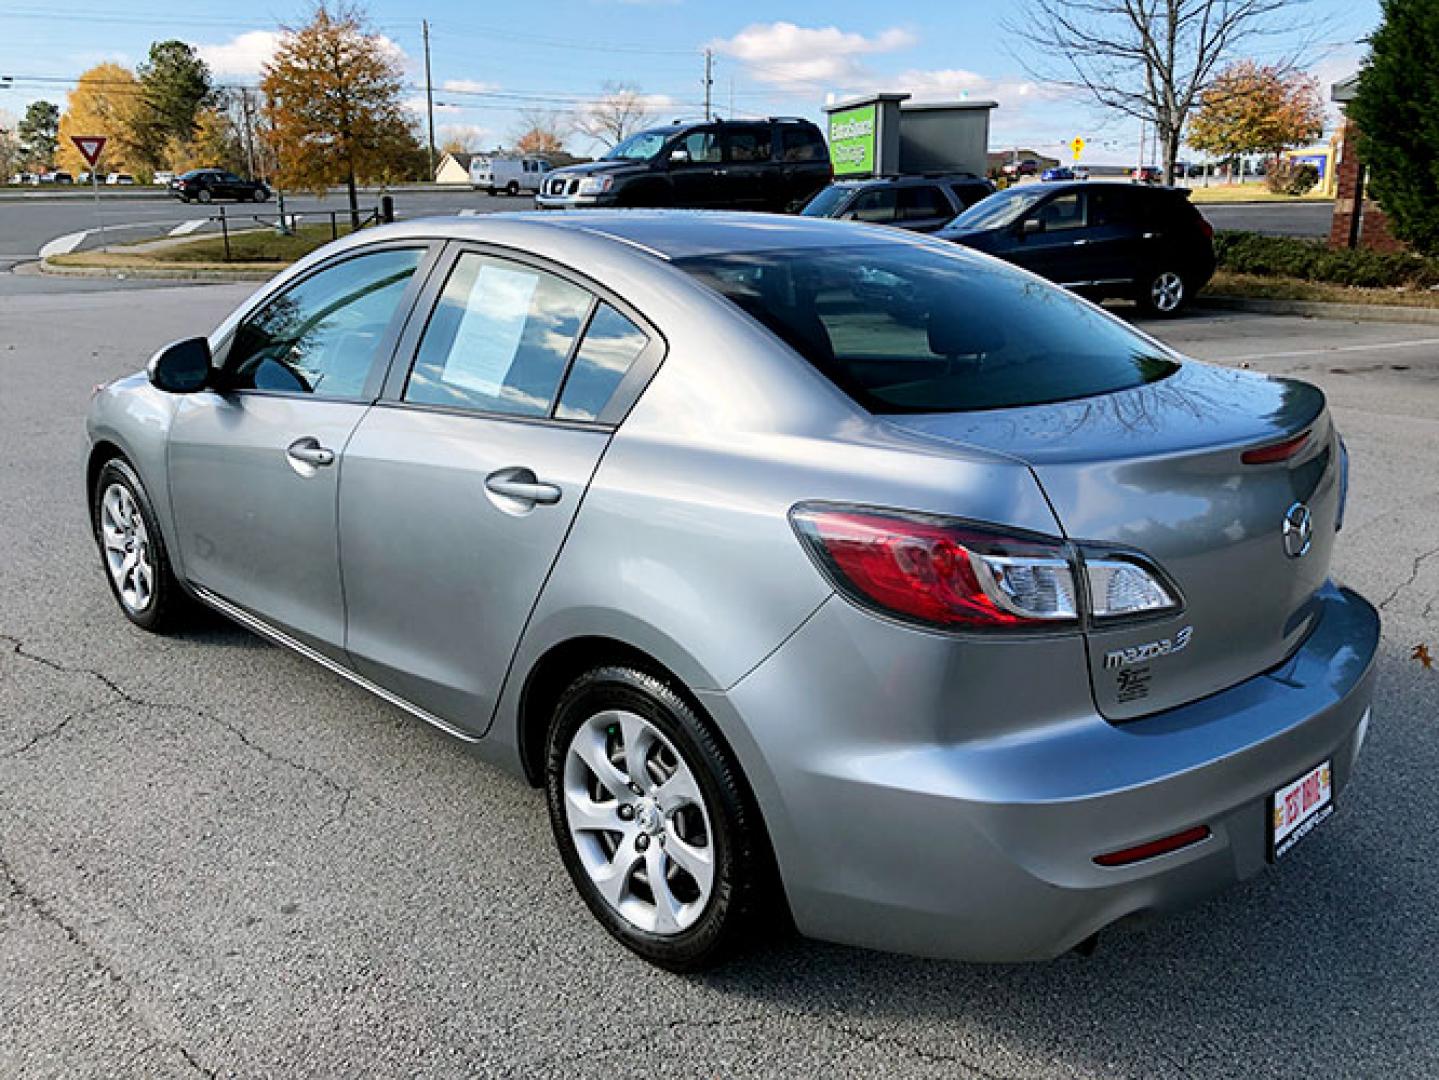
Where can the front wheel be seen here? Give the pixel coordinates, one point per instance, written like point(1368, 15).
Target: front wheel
point(652, 820)
point(512, 188)
point(260, 195)
point(204, 196)
point(133, 551)
point(1164, 293)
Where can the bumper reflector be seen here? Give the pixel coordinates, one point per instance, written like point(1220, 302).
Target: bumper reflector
point(1163, 846)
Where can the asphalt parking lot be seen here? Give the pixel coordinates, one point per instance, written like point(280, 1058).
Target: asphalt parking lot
point(217, 859)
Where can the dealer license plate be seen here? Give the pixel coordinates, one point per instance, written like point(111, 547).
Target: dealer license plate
point(1298, 807)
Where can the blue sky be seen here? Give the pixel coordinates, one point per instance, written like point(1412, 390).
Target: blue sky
point(490, 60)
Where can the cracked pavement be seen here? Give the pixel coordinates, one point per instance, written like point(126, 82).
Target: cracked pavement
point(217, 859)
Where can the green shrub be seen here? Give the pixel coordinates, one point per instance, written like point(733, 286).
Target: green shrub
point(1313, 260)
point(1291, 178)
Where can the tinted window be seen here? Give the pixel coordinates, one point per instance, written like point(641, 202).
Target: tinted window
point(320, 336)
point(909, 328)
point(498, 339)
point(749, 144)
point(827, 202)
point(1063, 212)
point(801, 143)
point(923, 201)
point(611, 344)
point(1115, 206)
point(702, 146)
point(875, 205)
point(969, 194)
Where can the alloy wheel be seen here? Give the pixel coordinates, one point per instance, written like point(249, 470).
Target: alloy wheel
point(639, 823)
point(127, 548)
point(1166, 292)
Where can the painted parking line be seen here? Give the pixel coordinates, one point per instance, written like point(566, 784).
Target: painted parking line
point(63, 245)
point(1298, 353)
point(185, 228)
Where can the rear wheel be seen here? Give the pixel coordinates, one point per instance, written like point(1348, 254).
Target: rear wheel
point(133, 551)
point(652, 821)
point(1164, 292)
point(512, 188)
point(260, 195)
point(204, 196)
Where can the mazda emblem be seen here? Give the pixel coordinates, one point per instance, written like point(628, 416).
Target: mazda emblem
point(1298, 531)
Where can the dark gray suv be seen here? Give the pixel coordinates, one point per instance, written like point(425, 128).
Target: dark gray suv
point(775, 164)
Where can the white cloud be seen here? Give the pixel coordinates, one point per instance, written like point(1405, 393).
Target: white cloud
point(241, 56)
point(788, 56)
point(416, 104)
point(469, 86)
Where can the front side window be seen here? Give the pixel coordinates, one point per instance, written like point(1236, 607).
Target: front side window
point(922, 202)
point(320, 336)
point(1063, 212)
point(499, 338)
point(875, 205)
point(909, 328)
point(703, 146)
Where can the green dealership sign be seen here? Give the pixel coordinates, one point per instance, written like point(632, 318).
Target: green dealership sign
point(852, 140)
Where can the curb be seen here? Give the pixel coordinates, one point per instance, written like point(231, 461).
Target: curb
point(45, 266)
point(1321, 309)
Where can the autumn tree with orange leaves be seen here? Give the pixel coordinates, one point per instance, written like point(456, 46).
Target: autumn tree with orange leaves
point(1257, 109)
point(334, 106)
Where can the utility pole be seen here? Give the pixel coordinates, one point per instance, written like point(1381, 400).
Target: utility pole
point(709, 79)
point(429, 99)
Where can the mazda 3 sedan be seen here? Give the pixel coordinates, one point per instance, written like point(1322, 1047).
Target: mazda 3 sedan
point(816, 572)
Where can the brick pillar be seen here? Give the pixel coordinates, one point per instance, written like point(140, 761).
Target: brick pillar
point(1358, 222)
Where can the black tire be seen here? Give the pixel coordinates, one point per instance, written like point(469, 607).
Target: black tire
point(168, 603)
point(260, 195)
point(742, 874)
point(1155, 293)
point(204, 196)
point(512, 188)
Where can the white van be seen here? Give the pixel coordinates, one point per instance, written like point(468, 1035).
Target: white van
point(508, 174)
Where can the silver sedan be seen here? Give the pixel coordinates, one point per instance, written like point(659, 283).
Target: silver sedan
point(816, 572)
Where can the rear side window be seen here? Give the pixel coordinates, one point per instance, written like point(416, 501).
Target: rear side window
point(876, 205)
point(611, 345)
point(799, 143)
point(968, 194)
point(909, 328)
point(749, 143)
point(923, 202)
point(499, 338)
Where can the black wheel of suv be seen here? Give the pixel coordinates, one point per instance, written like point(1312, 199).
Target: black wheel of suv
point(260, 195)
point(1163, 292)
point(204, 195)
point(133, 551)
point(652, 820)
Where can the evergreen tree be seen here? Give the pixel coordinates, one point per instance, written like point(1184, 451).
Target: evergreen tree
point(175, 89)
point(39, 134)
point(1397, 112)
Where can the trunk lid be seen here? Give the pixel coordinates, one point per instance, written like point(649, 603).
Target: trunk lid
point(1158, 469)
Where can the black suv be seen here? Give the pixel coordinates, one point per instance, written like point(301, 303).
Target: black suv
point(207, 185)
point(775, 164)
point(1100, 239)
point(922, 203)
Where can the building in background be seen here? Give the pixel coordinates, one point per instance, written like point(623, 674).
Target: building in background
point(454, 168)
point(879, 135)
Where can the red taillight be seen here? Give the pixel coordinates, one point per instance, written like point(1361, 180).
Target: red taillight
point(941, 573)
point(1280, 451)
point(1163, 846)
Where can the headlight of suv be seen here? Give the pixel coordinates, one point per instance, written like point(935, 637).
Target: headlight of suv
point(596, 185)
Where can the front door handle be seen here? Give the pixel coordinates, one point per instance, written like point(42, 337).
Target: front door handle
point(520, 489)
point(1080, 243)
point(306, 455)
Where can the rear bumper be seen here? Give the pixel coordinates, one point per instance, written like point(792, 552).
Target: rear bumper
point(900, 824)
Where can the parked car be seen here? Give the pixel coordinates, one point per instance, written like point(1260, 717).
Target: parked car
point(964, 635)
point(1101, 239)
point(123, 178)
point(83, 177)
point(508, 174)
point(1059, 172)
point(1147, 174)
point(776, 164)
point(56, 176)
point(1027, 167)
point(163, 177)
point(920, 203)
point(207, 185)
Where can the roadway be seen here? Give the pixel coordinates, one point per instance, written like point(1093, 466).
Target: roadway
point(30, 221)
point(216, 859)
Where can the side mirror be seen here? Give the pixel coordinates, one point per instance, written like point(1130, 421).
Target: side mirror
point(679, 157)
point(182, 367)
point(1031, 227)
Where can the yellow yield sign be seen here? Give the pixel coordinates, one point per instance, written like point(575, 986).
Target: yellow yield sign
point(1077, 146)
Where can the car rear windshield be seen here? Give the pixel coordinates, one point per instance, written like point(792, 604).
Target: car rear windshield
point(918, 328)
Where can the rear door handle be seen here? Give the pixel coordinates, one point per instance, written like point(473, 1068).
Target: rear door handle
point(519, 485)
point(307, 452)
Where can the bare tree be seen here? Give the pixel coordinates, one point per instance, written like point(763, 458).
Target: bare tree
point(617, 113)
point(1149, 59)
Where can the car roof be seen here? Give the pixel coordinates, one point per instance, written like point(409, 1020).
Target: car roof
point(668, 234)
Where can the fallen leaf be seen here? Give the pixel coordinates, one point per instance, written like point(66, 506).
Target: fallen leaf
point(1421, 653)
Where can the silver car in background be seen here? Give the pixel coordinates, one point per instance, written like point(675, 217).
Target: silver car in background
point(817, 572)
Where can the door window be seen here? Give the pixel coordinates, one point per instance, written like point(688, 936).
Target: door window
point(499, 338)
point(320, 336)
point(923, 202)
point(1113, 206)
point(611, 344)
point(802, 143)
point(747, 144)
point(968, 194)
point(876, 205)
point(703, 146)
point(1063, 212)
